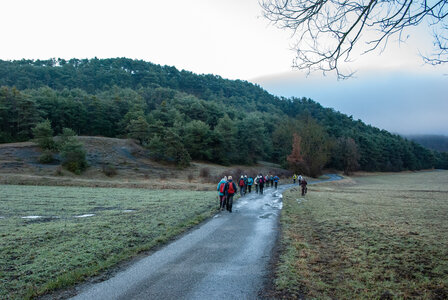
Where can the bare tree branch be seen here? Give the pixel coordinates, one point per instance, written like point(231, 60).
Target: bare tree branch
point(328, 31)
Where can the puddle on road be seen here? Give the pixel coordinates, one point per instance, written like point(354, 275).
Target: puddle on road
point(242, 202)
point(85, 216)
point(266, 216)
point(128, 210)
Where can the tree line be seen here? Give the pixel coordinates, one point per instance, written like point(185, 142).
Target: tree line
point(180, 116)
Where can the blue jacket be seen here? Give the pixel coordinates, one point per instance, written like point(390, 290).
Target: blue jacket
point(219, 186)
point(276, 179)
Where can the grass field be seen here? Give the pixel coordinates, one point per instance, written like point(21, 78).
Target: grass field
point(82, 231)
point(371, 237)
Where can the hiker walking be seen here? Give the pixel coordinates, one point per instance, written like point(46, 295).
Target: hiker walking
point(261, 181)
point(300, 179)
point(241, 185)
point(294, 177)
point(250, 182)
point(303, 184)
point(256, 181)
point(276, 179)
point(221, 192)
point(272, 180)
point(230, 190)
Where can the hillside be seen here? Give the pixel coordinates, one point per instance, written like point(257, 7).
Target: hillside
point(181, 117)
point(434, 142)
point(19, 165)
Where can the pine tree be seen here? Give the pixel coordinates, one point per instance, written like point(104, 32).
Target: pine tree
point(138, 129)
point(73, 156)
point(43, 135)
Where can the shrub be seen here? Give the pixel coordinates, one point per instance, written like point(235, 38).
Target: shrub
point(73, 156)
point(58, 171)
point(43, 135)
point(65, 136)
point(190, 177)
point(204, 172)
point(46, 157)
point(109, 170)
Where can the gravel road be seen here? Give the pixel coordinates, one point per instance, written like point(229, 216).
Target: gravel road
point(224, 258)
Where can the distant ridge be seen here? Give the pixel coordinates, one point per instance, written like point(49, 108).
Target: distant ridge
point(431, 141)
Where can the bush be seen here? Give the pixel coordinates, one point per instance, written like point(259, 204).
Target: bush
point(58, 171)
point(109, 170)
point(190, 177)
point(46, 157)
point(43, 135)
point(204, 172)
point(65, 136)
point(73, 156)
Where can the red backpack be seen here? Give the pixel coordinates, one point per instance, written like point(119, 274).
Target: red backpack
point(231, 190)
point(241, 182)
point(221, 187)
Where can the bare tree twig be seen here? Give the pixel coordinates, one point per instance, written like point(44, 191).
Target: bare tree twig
point(328, 31)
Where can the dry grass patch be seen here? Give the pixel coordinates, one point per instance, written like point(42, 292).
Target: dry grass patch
point(83, 231)
point(373, 237)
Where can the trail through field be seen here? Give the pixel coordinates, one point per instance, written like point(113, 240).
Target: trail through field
point(224, 258)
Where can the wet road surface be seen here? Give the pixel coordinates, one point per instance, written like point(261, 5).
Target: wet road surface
point(225, 258)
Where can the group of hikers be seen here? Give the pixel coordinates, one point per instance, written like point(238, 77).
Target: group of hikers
point(227, 188)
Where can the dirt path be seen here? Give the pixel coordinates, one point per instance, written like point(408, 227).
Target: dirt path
point(225, 258)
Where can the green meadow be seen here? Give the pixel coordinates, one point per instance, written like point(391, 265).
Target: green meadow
point(370, 237)
point(70, 233)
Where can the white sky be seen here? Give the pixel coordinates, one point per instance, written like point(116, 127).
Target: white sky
point(228, 38)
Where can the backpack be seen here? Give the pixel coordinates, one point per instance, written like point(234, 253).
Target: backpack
point(241, 182)
point(221, 187)
point(261, 180)
point(231, 189)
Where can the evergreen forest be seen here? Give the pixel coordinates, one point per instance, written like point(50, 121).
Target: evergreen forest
point(180, 116)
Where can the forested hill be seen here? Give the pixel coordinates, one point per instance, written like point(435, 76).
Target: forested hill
point(435, 142)
point(180, 116)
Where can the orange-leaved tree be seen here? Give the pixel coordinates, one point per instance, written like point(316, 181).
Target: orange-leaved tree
point(295, 159)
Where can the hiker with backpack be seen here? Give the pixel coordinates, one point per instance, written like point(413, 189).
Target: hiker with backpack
point(221, 192)
point(271, 178)
point(250, 182)
point(241, 185)
point(256, 180)
point(261, 181)
point(303, 184)
point(230, 190)
point(294, 177)
point(276, 179)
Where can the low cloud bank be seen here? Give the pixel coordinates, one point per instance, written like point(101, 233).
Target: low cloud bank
point(400, 102)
